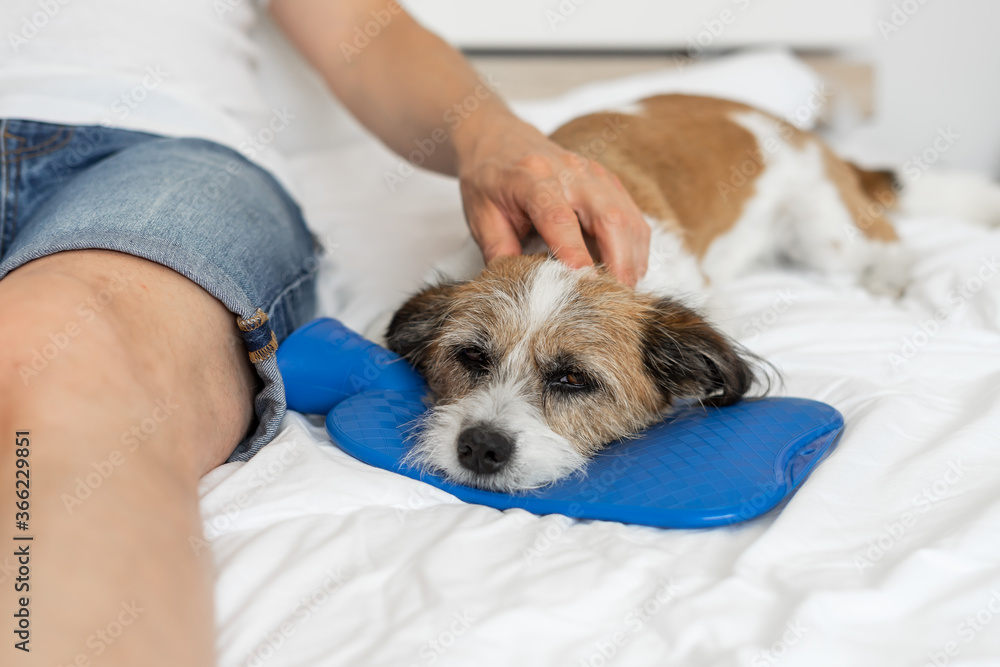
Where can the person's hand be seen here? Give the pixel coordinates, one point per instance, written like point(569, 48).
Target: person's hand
point(513, 179)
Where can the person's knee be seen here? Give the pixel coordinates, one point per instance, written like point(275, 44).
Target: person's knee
point(149, 340)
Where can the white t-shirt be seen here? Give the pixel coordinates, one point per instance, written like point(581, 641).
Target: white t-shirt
point(171, 67)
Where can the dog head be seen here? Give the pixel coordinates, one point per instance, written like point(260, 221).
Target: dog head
point(535, 366)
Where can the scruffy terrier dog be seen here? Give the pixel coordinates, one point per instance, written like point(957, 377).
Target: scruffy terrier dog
point(534, 367)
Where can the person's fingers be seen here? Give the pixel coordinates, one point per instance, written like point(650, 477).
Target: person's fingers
point(557, 223)
point(492, 231)
point(640, 245)
point(642, 252)
point(619, 228)
point(616, 240)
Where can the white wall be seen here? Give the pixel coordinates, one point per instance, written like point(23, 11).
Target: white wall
point(637, 24)
point(941, 69)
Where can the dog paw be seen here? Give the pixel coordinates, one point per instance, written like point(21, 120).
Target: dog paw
point(888, 273)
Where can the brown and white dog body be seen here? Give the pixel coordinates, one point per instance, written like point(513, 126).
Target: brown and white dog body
point(735, 187)
point(534, 367)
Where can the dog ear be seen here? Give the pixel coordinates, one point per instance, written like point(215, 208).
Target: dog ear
point(417, 322)
point(690, 359)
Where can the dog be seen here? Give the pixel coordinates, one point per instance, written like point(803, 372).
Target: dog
point(535, 367)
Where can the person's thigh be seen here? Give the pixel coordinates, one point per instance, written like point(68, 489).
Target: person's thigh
point(145, 386)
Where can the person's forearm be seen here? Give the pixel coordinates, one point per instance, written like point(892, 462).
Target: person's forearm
point(421, 98)
point(410, 88)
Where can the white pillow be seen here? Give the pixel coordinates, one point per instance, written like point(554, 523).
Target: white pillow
point(773, 80)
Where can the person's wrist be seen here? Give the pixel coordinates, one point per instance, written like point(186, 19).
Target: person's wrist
point(482, 134)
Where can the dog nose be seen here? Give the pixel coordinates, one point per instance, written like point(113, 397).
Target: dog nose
point(484, 449)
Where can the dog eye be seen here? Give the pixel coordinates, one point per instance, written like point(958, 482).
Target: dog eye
point(571, 381)
point(473, 358)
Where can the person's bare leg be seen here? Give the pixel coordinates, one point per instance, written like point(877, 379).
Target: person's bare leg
point(139, 386)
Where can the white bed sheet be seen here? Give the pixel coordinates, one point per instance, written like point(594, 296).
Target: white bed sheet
point(888, 555)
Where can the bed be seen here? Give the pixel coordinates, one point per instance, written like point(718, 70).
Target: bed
point(888, 555)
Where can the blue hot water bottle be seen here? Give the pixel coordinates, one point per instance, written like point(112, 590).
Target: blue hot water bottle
point(699, 467)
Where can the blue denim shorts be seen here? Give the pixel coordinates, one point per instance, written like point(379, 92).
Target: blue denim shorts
point(194, 206)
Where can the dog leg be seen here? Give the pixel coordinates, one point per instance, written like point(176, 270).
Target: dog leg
point(837, 227)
